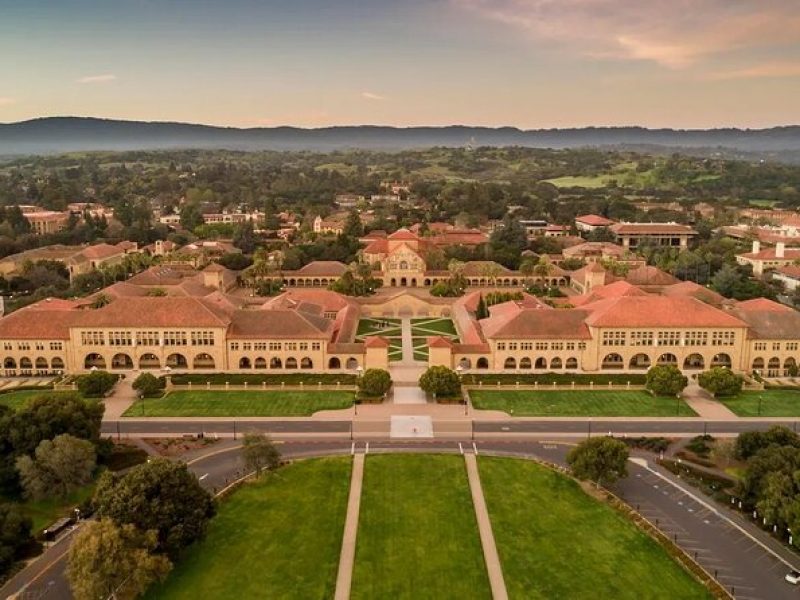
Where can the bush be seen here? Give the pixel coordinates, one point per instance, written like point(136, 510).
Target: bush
point(720, 381)
point(375, 382)
point(699, 445)
point(599, 459)
point(749, 443)
point(15, 535)
point(269, 379)
point(557, 378)
point(653, 444)
point(666, 380)
point(96, 384)
point(148, 385)
point(440, 381)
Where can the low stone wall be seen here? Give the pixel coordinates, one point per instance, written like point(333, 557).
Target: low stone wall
point(556, 387)
point(259, 388)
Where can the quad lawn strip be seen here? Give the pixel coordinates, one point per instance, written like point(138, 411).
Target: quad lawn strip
point(417, 535)
point(774, 403)
point(278, 537)
point(271, 403)
point(430, 327)
point(568, 403)
point(16, 400)
point(556, 541)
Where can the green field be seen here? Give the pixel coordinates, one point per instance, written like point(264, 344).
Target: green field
point(555, 541)
point(16, 400)
point(775, 403)
point(272, 403)
point(587, 182)
point(430, 327)
point(417, 535)
point(46, 512)
point(277, 538)
point(568, 403)
point(368, 326)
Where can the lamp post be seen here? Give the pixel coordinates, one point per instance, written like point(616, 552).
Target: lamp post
point(359, 372)
point(460, 371)
point(760, 400)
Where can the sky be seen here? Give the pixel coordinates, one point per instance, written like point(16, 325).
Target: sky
point(313, 63)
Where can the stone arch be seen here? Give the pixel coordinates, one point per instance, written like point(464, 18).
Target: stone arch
point(556, 363)
point(639, 361)
point(427, 282)
point(774, 363)
point(291, 363)
point(667, 359)
point(9, 363)
point(789, 364)
point(483, 363)
point(694, 361)
point(613, 361)
point(203, 361)
point(572, 363)
point(260, 363)
point(177, 361)
point(352, 363)
point(41, 363)
point(57, 363)
point(721, 360)
point(541, 363)
point(306, 363)
point(758, 363)
point(511, 363)
point(121, 361)
point(524, 363)
point(334, 363)
point(149, 361)
point(465, 363)
point(244, 363)
point(275, 363)
point(25, 363)
point(94, 360)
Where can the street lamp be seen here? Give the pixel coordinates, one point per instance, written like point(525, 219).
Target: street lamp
point(760, 400)
point(460, 371)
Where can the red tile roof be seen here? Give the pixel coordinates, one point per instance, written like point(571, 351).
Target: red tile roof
point(651, 229)
point(594, 220)
point(657, 311)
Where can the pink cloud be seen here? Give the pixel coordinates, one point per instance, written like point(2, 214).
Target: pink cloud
point(675, 34)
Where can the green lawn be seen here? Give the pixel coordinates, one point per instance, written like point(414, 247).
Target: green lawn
point(583, 181)
point(273, 403)
point(555, 541)
point(375, 327)
point(277, 538)
point(417, 535)
point(429, 327)
point(17, 400)
point(568, 403)
point(46, 512)
point(775, 403)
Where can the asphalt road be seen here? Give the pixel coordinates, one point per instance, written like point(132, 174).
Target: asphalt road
point(716, 535)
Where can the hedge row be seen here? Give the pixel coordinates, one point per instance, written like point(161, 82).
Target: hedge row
point(28, 388)
point(557, 378)
point(267, 378)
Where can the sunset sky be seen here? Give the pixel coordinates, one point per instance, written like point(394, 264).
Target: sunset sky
point(311, 63)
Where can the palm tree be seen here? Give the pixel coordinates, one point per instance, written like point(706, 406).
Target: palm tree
point(544, 268)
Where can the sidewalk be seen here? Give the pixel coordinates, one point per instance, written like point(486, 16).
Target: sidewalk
point(120, 400)
point(701, 402)
point(344, 578)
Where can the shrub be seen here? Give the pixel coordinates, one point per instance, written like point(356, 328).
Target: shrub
point(96, 384)
point(148, 385)
point(440, 381)
point(599, 459)
point(720, 381)
point(375, 382)
point(269, 379)
point(666, 380)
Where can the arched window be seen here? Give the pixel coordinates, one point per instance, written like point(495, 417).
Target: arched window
point(465, 363)
point(9, 363)
point(555, 363)
point(511, 363)
point(721, 360)
point(613, 361)
point(572, 363)
point(94, 360)
point(260, 363)
point(667, 359)
point(525, 363)
point(244, 363)
point(41, 363)
point(177, 361)
point(758, 363)
point(351, 363)
point(25, 363)
point(203, 361)
point(639, 361)
point(149, 361)
point(275, 363)
point(694, 361)
point(483, 363)
point(789, 365)
point(57, 363)
point(334, 363)
point(121, 361)
point(291, 363)
point(774, 363)
point(541, 363)
point(306, 363)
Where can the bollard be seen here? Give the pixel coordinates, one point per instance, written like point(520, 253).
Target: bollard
point(573, 385)
point(227, 385)
point(208, 385)
point(245, 385)
point(264, 384)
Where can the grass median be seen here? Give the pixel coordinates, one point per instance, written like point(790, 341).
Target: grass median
point(279, 537)
point(16, 400)
point(270, 403)
point(767, 403)
point(555, 541)
point(417, 534)
point(569, 403)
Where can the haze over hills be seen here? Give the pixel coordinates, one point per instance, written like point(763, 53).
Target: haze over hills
point(65, 134)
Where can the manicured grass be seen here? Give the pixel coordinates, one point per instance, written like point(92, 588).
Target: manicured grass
point(417, 535)
point(277, 538)
point(775, 403)
point(273, 403)
point(555, 541)
point(46, 512)
point(428, 327)
point(17, 400)
point(568, 403)
point(373, 327)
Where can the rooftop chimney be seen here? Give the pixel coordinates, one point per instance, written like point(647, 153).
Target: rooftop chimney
point(779, 249)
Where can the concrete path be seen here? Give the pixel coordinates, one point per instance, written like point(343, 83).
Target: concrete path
point(413, 426)
point(490, 555)
point(121, 398)
point(701, 402)
point(408, 394)
point(408, 342)
point(347, 557)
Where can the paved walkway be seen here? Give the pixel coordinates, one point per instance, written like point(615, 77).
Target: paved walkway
point(120, 399)
point(490, 555)
point(701, 402)
point(344, 578)
point(408, 342)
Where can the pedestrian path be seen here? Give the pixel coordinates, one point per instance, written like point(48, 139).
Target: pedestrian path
point(701, 402)
point(344, 578)
point(490, 554)
point(407, 342)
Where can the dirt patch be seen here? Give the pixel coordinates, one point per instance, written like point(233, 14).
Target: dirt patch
point(178, 446)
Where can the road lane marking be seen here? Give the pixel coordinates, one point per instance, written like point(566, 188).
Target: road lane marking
point(202, 477)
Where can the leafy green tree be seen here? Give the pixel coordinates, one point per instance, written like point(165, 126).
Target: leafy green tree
point(599, 459)
point(96, 384)
point(107, 560)
point(482, 311)
point(375, 382)
point(159, 495)
point(59, 467)
point(441, 381)
point(191, 215)
point(148, 385)
point(235, 261)
point(260, 453)
point(244, 237)
point(749, 443)
point(666, 380)
point(15, 535)
point(720, 381)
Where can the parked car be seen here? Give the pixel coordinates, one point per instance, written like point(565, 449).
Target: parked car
point(793, 577)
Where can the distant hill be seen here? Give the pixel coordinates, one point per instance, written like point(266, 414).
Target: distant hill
point(65, 134)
